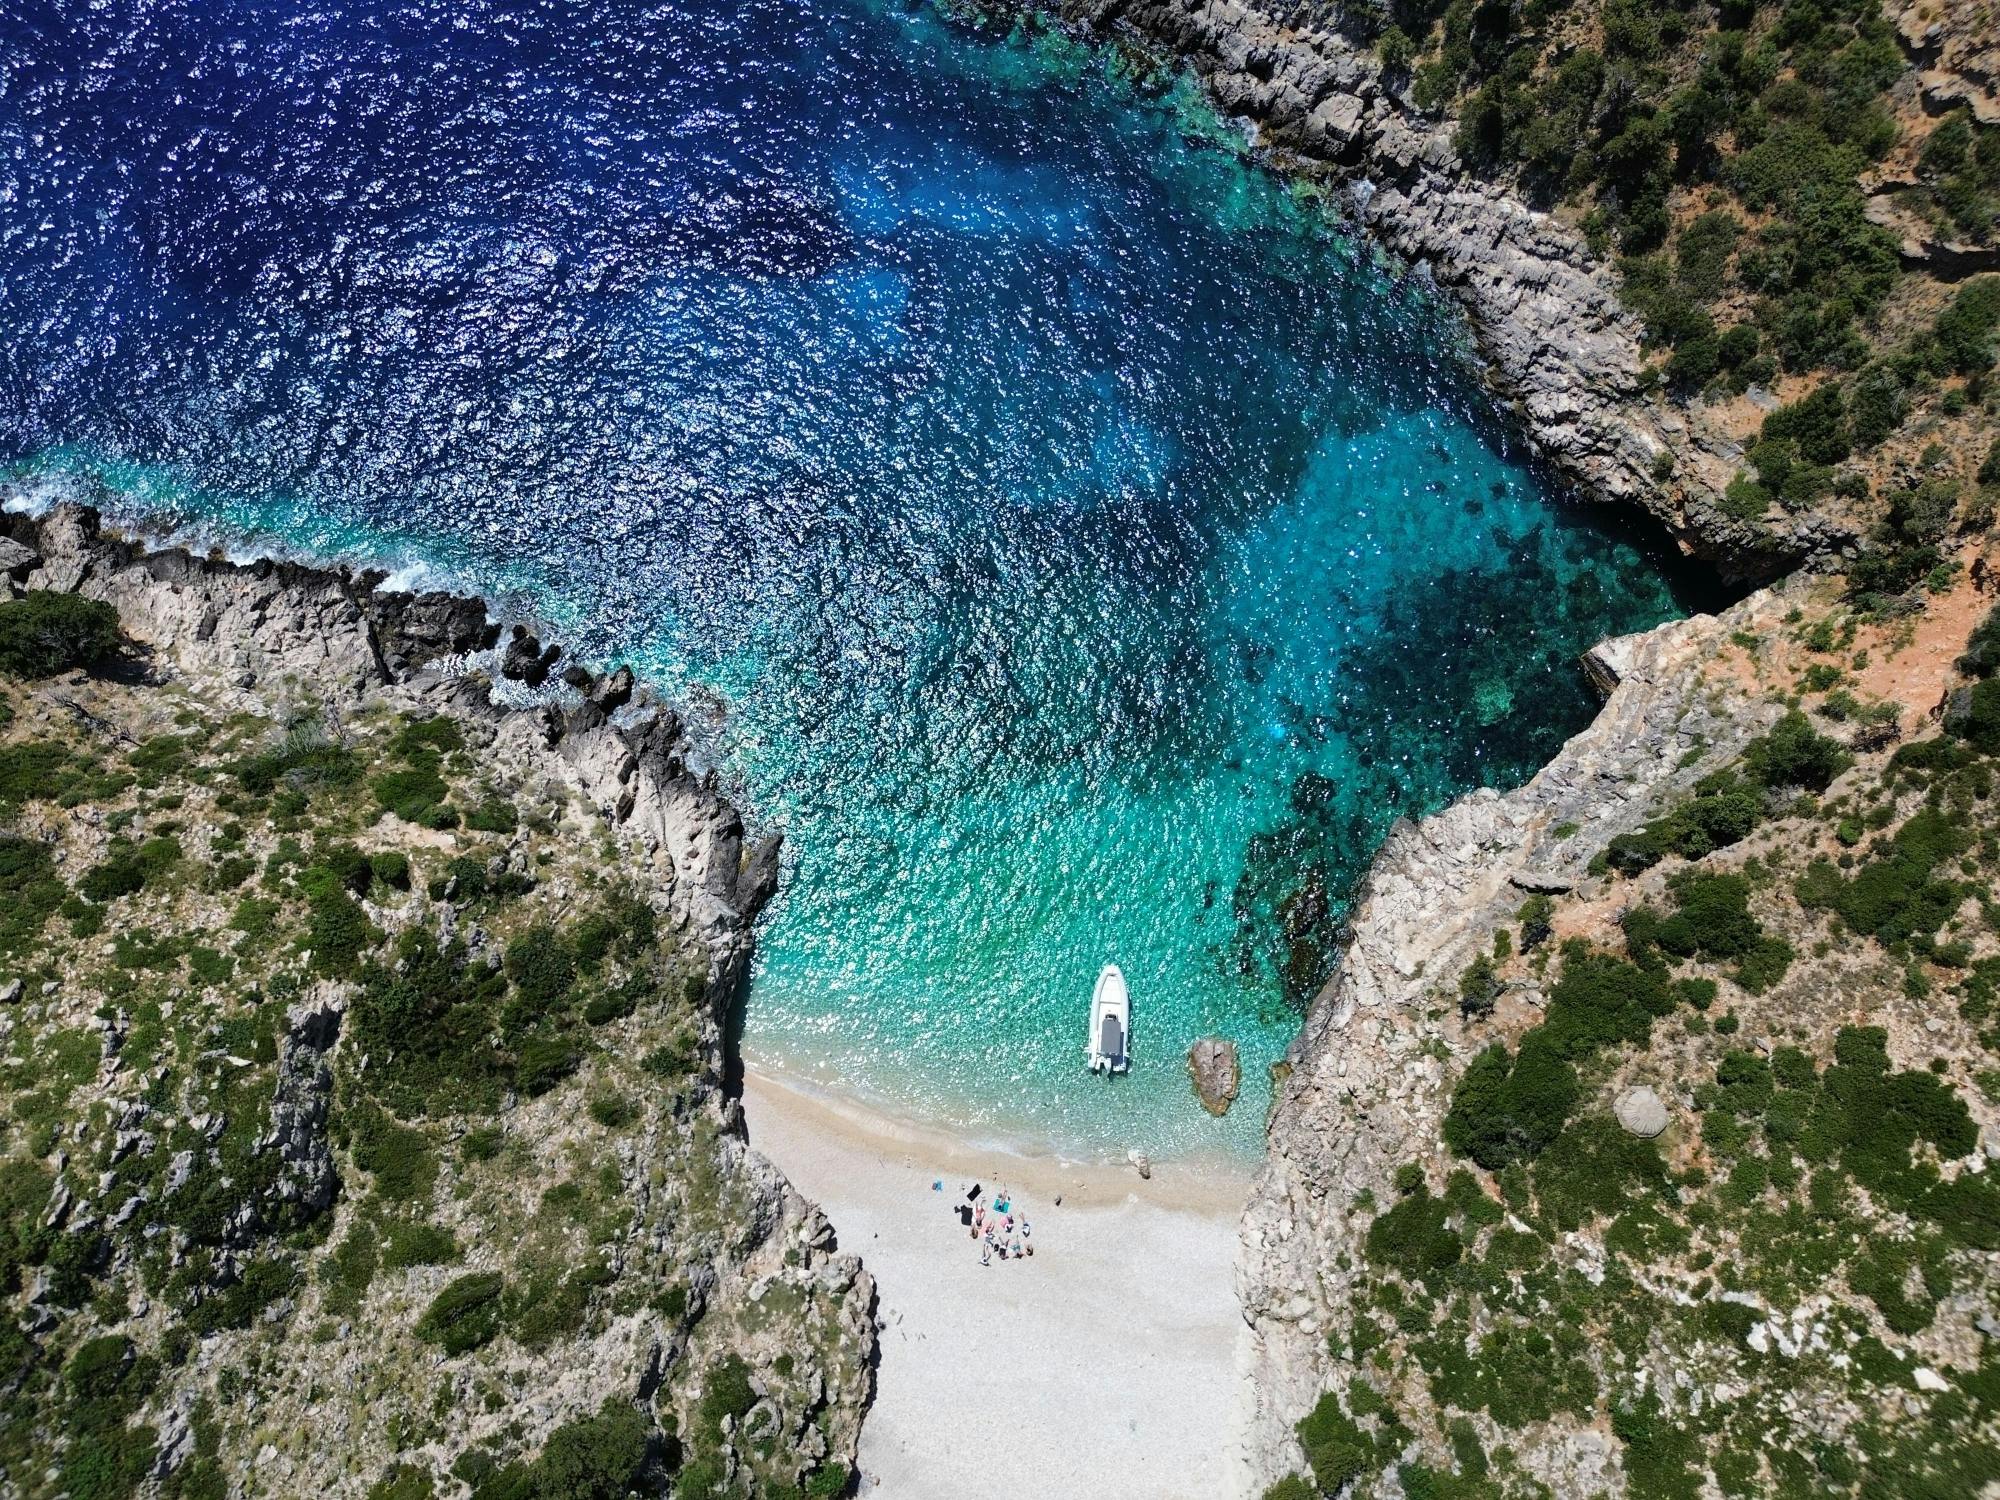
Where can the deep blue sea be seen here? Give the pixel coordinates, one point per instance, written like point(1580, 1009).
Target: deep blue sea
point(1067, 536)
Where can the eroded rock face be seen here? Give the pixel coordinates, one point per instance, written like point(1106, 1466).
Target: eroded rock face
point(1368, 1076)
point(715, 1256)
point(1558, 345)
point(1640, 1112)
point(1217, 1074)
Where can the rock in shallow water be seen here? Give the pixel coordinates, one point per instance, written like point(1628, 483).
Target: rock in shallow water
point(1216, 1073)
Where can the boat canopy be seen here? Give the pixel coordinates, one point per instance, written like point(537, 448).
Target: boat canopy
point(1111, 1039)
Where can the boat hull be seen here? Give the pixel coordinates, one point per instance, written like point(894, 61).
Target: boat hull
point(1109, 1042)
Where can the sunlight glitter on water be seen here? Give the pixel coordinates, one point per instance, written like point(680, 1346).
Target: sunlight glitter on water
point(1093, 553)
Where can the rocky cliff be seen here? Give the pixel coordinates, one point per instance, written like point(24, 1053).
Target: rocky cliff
point(363, 1060)
point(1558, 346)
point(1583, 1179)
point(1369, 1075)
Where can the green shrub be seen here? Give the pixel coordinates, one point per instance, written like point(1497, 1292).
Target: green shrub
point(1872, 1118)
point(425, 739)
point(1721, 812)
point(403, 1482)
point(350, 1270)
point(1882, 1275)
point(593, 1458)
point(551, 1308)
point(43, 633)
point(466, 1314)
point(99, 1367)
point(493, 815)
point(413, 1244)
point(1744, 1083)
point(341, 867)
point(400, 1158)
point(1478, 988)
point(728, 1394)
point(1336, 1447)
point(1412, 1237)
point(1661, 1458)
point(391, 868)
point(542, 967)
point(30, 890)
point(338, 932)
point(126, 867)
point(305, 758)
point(1896, 896)
point(415, 793)
point(1877, 407)
point(613, 1111)
point(1976, 718)
point(1963, 333)
point(1536, 916)
point(1794, 754)
point(673, 1059)
point(1598, 1001)
point(1509, 1108)
point(1712, 920)
point(1594, 1169)
point(610, 1005)
point(544, 1062)
point(427, 1024)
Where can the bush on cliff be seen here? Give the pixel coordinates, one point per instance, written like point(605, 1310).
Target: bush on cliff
point(43, 633)
point(1413, 1238)
point(1896, 897)
point(1722, 811)
point(1977, 719)
point(1336, 1447)
point(1982, 647)
point(1508, 1107)
point(465, 1315)
point(1794, 754)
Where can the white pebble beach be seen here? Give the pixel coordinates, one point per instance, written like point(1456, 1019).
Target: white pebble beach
point(1106, 1365)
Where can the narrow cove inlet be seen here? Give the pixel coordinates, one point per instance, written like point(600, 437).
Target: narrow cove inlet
point(1059, 529)
point(840, 750)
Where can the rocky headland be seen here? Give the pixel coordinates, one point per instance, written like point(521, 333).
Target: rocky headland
point(1640, 1144)
point(363, 1043)
point(1557, 345)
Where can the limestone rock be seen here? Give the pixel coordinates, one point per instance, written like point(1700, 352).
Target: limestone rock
point(15, 558)
point(1641, 1112)
point(1559, 346)
point(1362, 1097)
point(1217, 1074)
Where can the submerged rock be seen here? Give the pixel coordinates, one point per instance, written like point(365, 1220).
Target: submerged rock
point(1217, 1074)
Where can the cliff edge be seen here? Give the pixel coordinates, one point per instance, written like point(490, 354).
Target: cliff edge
point(361, 1037)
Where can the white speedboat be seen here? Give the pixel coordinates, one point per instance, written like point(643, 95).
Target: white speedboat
point(1110, 1023)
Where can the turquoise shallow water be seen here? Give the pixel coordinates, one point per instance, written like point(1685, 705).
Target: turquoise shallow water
point(1086, 552)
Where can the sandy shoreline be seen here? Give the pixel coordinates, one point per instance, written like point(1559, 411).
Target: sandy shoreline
point(1107, 1364)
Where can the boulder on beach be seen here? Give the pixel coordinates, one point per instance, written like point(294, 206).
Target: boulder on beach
point(1641, 1112)
point(1216, 1073)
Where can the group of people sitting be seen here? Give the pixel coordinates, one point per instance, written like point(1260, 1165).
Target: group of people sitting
point(998, 1229)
